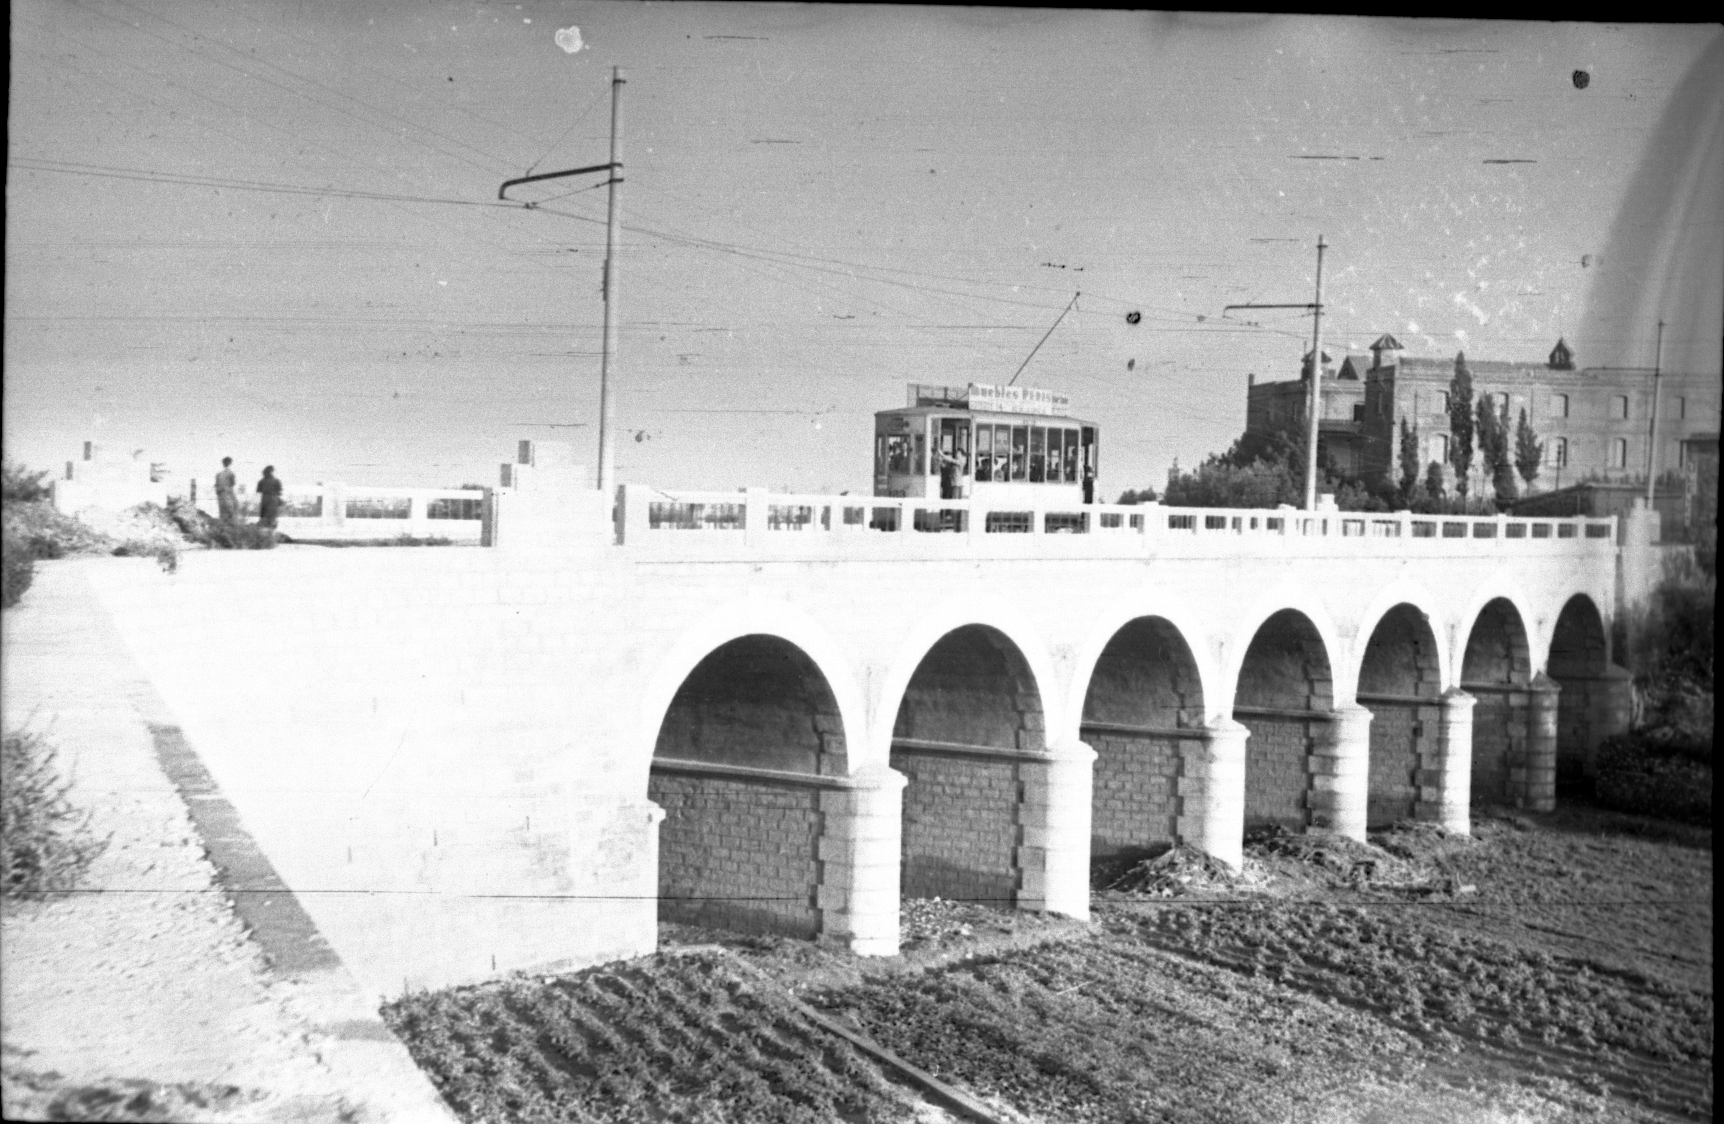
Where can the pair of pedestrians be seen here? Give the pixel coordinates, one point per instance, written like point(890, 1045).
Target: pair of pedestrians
point(268, 494)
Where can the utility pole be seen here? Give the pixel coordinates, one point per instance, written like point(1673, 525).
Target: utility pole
point(1652, 437)
point(1315, 406)
point(613, 223)
point(1314, 401)
point(613, 220)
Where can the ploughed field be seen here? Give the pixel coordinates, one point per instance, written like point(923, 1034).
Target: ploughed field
point(1552, 967)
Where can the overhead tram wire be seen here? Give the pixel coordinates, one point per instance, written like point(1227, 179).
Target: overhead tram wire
point(501, 163)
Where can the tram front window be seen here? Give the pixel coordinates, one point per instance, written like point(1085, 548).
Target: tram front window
point(1038, 454)
point(1072, 456)
point(898, 454)
point(1020, 451)
point(984, 453)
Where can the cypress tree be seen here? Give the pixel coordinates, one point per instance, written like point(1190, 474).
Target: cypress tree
point(1528, 450)
point(1461, 423)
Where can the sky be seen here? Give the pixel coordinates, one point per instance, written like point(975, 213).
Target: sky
point(272, 230)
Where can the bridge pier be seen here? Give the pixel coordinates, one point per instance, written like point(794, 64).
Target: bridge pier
point(1446, 772)
point(859, 861)
point(1212, 792)
point(1340, 767)
point(1533, 779)
point(1053, 857)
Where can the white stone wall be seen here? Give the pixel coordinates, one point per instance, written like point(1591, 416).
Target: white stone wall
point(450, 749)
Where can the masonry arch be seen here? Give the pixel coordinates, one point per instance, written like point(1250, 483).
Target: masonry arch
point(1143, 704)
point(737, 766)
point(1496, 669)
point(1401, 681)
point(969, 726)
point(750, 617)
point(1596, 696)
point(1415, 595)
point(1285, 697)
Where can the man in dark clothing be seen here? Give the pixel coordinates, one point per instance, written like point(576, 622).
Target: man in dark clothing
point(268, 497)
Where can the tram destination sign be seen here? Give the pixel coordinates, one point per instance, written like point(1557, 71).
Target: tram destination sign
point(1017, 400)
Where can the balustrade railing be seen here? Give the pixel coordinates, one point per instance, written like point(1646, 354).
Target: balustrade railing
point(758, 517)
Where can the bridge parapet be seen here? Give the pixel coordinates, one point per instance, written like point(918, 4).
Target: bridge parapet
point(660, 523)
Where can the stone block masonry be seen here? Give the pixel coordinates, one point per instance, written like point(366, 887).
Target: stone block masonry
point(1277, 771)
point(738, 855)
point(1136, 804)
point(961, 828)
point(1398, 734)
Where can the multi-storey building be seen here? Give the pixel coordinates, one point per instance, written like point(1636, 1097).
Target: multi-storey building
point(1594, 423)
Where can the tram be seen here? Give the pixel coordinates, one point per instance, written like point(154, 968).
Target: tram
point(1007, 444)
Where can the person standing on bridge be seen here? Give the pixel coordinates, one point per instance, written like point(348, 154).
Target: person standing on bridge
point(227, 504)
point(268, 498)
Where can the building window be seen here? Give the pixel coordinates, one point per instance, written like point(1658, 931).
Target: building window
point(1558, 455)
point(1559, 405)
point(1619, 452)
point(1440, 448)
point(1682, 408)
point(1442, 402)
point(1682, 454)
point(1619, 406)
point(1499, 402)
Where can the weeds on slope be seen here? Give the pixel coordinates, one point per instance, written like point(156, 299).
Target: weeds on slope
point(45, 841)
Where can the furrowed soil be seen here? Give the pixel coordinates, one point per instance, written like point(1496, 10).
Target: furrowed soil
point(1549, 968)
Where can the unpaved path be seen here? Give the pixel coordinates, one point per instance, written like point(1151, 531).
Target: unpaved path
point(144, 997)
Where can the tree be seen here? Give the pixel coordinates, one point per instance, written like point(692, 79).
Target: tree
point(1528, 450)
point(1136, 495)
point(1434, 481)
point(1461, 423)
point(1493, 441)
point(1409, 458)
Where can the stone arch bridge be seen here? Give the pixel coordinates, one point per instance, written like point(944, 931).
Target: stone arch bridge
point(785, 713)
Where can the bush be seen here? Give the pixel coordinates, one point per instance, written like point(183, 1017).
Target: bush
point(19, 485)
point(1658, 772)
point(17, 569)
point(166, 556)
point(200, 527)
point(46, 533)
point(45, 842)
point(1668, 645)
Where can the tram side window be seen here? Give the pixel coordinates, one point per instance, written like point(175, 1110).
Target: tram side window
point(1020, 451)
point(898, 454)
point(879, 455)
point(984, 453)
point(1038, 454)
point(1002, 453)
point(1072, 456)
point(921, 465)
point(1054, 457)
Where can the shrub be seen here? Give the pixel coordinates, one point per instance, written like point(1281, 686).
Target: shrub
point(17, 569)
point(166, 556)
point(46, 533)
point(45, 841)
point(200, 527)
point(19, 485)
point(1658, 772)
